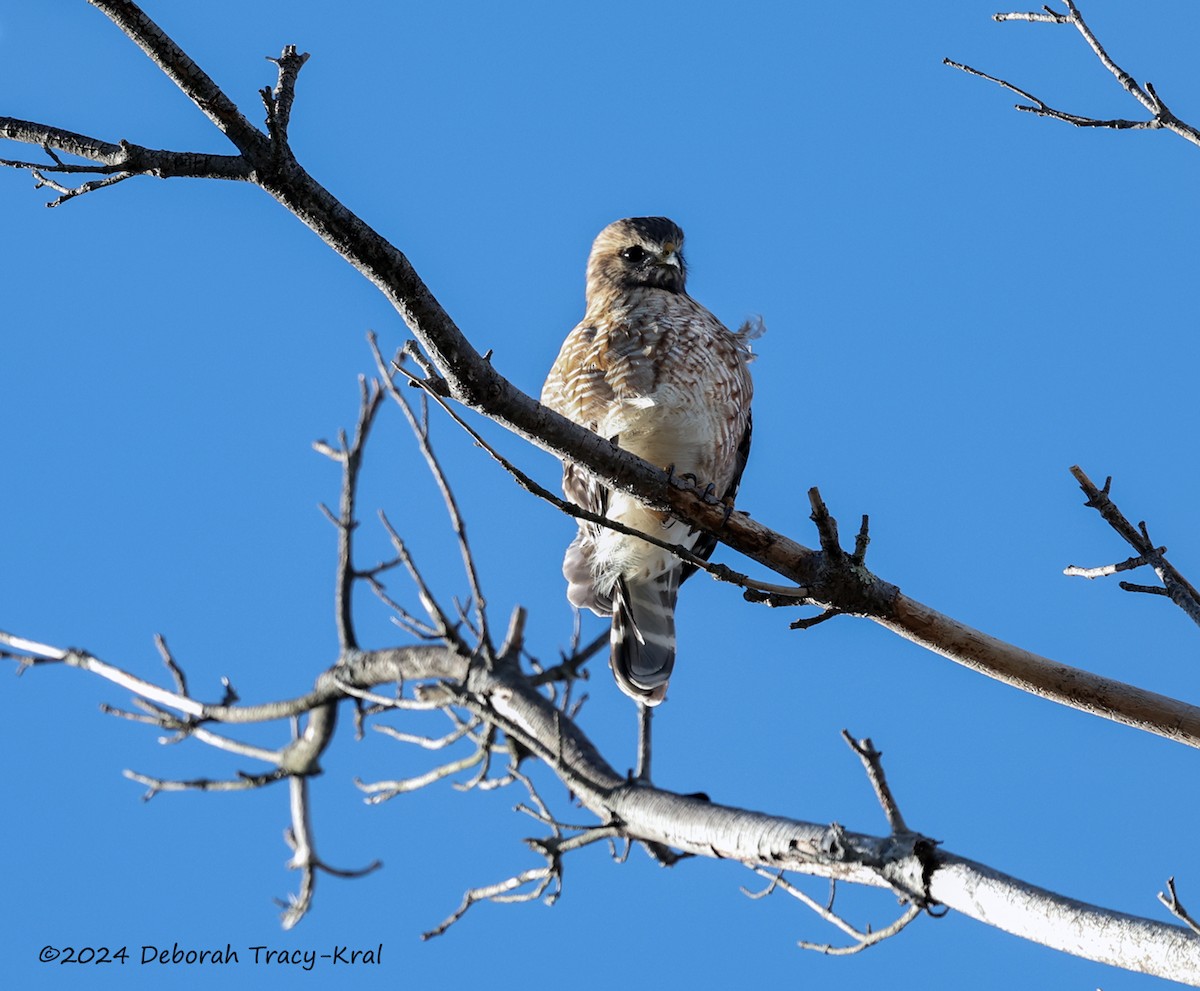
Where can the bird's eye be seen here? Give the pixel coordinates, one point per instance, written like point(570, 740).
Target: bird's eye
point(635, 254)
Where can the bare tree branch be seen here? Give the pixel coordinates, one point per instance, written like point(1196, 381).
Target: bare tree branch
point(1103, 571)
point(1175, 907)
point(278, 102)
point(350, 455)
point(535, 880)
point(472, 380)
point(910, 864)
point(1160, 115)
point(1180, 590)
point(873, 765)
point(862, 940)
point(420, 430)
point(245, 782)
point(907, 863)
point(506, 704)
point(193, 81)
point(1041, 108)
point(872, 761)
point(304, 855)
point(443, 628)
point(117, 162)
point(381, 791)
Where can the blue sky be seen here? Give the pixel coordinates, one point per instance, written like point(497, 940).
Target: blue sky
point(961, 302)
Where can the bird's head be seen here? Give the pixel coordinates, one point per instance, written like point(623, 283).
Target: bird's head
point(638, 251)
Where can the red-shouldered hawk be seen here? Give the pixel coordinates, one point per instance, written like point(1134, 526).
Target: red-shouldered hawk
point(653, 370)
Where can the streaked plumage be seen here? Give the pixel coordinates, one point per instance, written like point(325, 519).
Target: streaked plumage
point(652, 369)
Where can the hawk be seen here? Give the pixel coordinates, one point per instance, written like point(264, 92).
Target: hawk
point(651, 369)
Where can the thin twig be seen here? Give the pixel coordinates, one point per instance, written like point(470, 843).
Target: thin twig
point(1040, 108)
point(445, 629)
point(462, 728)
point(1074, 571)
point(536, 880)
point(872, 762)
point(808, 622)
point(1123, 77)
point(1144, 589)
point(862, 940)
point(383, 702)
point(382, 791)
point(304, 855)
point(867, 939)
point(176, 671)
point(420, 430)
point(571, 666)
point(1175, 907)
point(191, 729)
point(349, 455)
point(244, 782)
point(403, 618)
point(1045, 16)
point(80, 190)
point(861, 541)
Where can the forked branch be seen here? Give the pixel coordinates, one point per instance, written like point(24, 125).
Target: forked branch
point(1173, 905)
point(922, 847)
point(1160, 117)
point(1174, 585)
point(529, 884)
point(862, 939)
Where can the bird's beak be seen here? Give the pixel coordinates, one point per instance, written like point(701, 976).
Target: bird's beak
point(670, 255)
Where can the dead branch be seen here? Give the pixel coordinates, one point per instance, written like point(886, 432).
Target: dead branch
point(115, 162)
point(461, 729)
point(1104, 570)
point(862, 939)
point(872, 761)
point(440, 622)
point(244, 782)
point(381, 791)
point(1174, 585)
point(1160, 115)
point(690, 825)
point(535, 880)
point(1175, 907)
point(278, 102)
point(420, 430)
point(304, 856)
point(349, 455)
point(571, 666)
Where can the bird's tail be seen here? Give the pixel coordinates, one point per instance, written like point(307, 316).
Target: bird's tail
point(643, 635)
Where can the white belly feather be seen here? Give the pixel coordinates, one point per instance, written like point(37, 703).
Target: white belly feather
point(667, 429)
